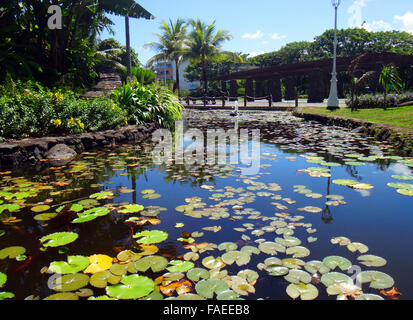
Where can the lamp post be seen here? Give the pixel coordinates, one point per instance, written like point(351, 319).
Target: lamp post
point(165, 49)
point(333, 102)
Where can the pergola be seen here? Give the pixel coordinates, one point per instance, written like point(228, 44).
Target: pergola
point(317, 71)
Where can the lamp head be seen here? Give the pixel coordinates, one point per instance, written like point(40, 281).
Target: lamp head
point(336, 3)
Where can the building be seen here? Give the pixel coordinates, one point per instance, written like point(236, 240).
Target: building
point(168, 70)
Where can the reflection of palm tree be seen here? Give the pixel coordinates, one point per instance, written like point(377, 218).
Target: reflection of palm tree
point(327, 216)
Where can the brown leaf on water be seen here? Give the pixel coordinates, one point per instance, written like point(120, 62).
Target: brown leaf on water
point(392, 294)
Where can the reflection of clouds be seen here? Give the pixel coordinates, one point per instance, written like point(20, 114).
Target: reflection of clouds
point(401, 169)
point(364, 193)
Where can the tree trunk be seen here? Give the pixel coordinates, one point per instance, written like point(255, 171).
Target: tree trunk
point(204, 75)
point(128, 57)
point(177, 78)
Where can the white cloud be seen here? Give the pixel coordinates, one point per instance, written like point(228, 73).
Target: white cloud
point(277, 36)
point(356, 13)
point(254, 54)
point(376, 26)
point(406, 20)
point(401, 169)
point(257, 35)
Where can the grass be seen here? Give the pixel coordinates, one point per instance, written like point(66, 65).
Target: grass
point(400, 117)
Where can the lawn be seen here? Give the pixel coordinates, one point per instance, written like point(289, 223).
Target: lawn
point(400, 117)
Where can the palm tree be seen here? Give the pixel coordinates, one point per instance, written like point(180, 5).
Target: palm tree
point(390, 77)
point(204, 44)
point(171, 45)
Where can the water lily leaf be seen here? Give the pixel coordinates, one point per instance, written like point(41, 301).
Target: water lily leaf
point(58, 239)
point(333, 262)
point(342, 241)
point(357, 246)
point(276, 270)
point(315, 266)
point(188, 296)
point(228, 295)
point(45, 216)
point(88, 203)
point(288, 241)
point(91, 214)
point(102, 195)
point(98, 263)
point(239, 285)
point(213, 263)
point(302, 290)
point(11, 252)
point(241, 258)
point(372, 261)
point(9, 207)
point(3, 279)
point(343, 290)
point(191, 256)
point(70, 282)
point(406, 192)
point(196, 274)
point(207, 288)
point(284, 231)
point(293, 263)
point(119, 269)
point(298, 276)
point(101, 279)
point(249, 275)
point(312, 239)
point(377, 279)
point(369, 296)
point(298, 252)
point(345, 182)
point(132, 287)
point(227, 246)
point(74, 264)
point(156, 296)
point(150, 237)
point(155, 263)
point(402, 177)
point(250, 250)
point(41, 208)
point(271, 247)
point(180, 266)
point(311, 209)
point(63, 296)
point(401, 185)
point(131, 208)
point(328, 279)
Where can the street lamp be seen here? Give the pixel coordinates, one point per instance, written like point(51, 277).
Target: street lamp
point(165, 49)
point(333, 102)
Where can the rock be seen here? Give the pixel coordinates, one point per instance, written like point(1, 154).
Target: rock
point(7, 148)
point(60, 154)
point(358, 130)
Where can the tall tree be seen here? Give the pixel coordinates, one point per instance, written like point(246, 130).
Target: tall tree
point(170, 44)
point(204, 44)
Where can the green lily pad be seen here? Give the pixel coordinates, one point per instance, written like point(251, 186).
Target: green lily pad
point(277, 271)
point(402, 177)
point(288, 241)
point(333, 262)
point(102, 195)
point(372, 261)
point(342, 290)
point(41, 208)
point(70, 282)
point(241, 258)
point(328, 279)
point(207, 288)
point(11, 252)
point(132, 287)
point(102, 278)
point(3, 279)
point(196, 274)
point(9, 207)
point(155, 263)
point(357, 246)
point(44, 216)
point(74, 264)
point(293, 263)
point(406, 192)
point(298, 276)
point(401, 185)
point(369, 296)
point(271, 248)
point(250, 250)
point(59, 239)
point(91, 214)
point(150, 237)
point(298, 252)
point(316, 266)
point(213, 263)
point(377, 279)
point(227, 246)
point(249, 275)
point(228, 295)
point(302, 290)
point(342, 241)
point(88, 203)
point(64, 296)
point(101, 298)
point(187, 296)
point(311, 209)
point(345, 182)
point(180, 266)
point(75, 208)
point(131, 208)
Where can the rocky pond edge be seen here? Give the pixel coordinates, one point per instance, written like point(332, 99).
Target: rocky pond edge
point(400, 138)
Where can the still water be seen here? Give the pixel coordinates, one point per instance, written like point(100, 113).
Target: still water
point(290, 209)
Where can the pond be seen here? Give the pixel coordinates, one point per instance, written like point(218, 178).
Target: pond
point(328, 215)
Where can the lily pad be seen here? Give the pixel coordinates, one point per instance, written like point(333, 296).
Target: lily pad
point(357, 246)
point(369, 296)
point(41, 208)
point(63, 296)
point(180, 266)
point(207, 288)
point(271, 248)
point(3, 279)
point(155, 263)
point(98, 263)
point(288, 241)
point(101, 279)
point(102, 195)
point(298, 276)
point(11, 252)
point(9, 207)
point(227, 246)
point(59, 239)
point(213, 263)
point(150, 237)
point(377, 279)
point(372, 261)
point(342, 290)
point(331, 278)
point(70, 282)
point(406, 192)
point(196, 274)
point(228, 295)
point(315, 266)
point(333, 262)
point(131, 208)
point(298, 252)
point(239, 257)
point(74, 264)
point(132, 287)
point(303, 291)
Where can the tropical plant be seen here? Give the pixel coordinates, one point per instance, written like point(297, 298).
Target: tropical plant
point(390, 79)
point(143, 76)
point(203, 44)
point(171, 45)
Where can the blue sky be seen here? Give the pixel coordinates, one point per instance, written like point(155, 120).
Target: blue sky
point(266, 25)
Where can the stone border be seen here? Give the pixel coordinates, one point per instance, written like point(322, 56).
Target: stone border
point(402, 141)
point(34, 151)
